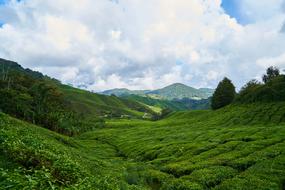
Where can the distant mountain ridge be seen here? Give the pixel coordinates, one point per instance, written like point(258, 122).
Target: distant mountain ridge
point(124, 91)
point(174, 91)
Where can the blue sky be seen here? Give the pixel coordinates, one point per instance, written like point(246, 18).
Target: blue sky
point(2, 2)
point(232, 8)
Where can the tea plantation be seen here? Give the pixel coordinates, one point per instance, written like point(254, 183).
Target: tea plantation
point(236, 147)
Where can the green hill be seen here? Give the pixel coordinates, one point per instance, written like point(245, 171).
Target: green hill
point(237, 147)
point(240, 146)
point(171, 92)
point(44, 101)
point(101, 105)
point(180, 91)
point(124, 91)
point(175, 97)
point(175, 105)
point(82, 101)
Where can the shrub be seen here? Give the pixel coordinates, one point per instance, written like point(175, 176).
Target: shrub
point(271, 73)
point(272, 91)
point(179, 184)
point(224, 94)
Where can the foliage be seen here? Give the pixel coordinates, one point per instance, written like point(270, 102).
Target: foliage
point(180, 91)
point(36, 98)
point(171, 92)
point(236, 147)
point(205, 149)
point(271, 73)
point(163, 114)
point(223, 95)
point(175, 105)
point(91, 104)
point(272, 91)
point(240, 146)
point(39, 162)
point(30, 96)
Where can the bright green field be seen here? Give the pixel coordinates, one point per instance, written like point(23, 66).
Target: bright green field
point(237, 147)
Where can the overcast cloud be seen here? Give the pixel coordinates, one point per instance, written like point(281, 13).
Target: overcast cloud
point(143, 44)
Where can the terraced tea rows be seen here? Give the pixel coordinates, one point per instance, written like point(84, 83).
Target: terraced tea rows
point(237, 147)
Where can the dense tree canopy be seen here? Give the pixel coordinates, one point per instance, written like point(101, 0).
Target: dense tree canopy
point(224, 94)
point(30, 96)
point(272, 90)
point(271, 73)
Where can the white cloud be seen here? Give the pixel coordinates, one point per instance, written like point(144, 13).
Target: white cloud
point(278, 61)
point(142, 44)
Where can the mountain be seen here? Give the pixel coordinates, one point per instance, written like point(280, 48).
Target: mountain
point(207, 91)
point(124, 91)
point(175, 105)
point(176, 97)
point(171, 92)
point(180, 91)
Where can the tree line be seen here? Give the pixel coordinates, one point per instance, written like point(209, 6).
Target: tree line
point(30, 96)
point(272, 88)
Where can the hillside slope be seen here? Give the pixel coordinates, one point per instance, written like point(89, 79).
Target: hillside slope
point(180, 91)
point(237, 147)
point(101, 105)
point(124, 91)
point(17, 80)
point(175, 105)
point(174, 97)
point(32, 157)
point(171, 92)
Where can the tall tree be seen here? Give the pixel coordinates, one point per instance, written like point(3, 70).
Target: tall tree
point(224, 94)
point(271, 73)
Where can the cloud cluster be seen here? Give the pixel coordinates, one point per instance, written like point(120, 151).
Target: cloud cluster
point(143, 44)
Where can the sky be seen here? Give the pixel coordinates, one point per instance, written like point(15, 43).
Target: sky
point(144, 44)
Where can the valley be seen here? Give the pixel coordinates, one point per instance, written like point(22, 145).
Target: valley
point(228, 150)
point(142, 95)
point(54, 136)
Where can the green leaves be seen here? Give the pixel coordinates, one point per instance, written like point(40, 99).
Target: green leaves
point(224, 94)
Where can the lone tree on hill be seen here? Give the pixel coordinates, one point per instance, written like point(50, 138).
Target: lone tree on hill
point(224, 94)
point(271, 73)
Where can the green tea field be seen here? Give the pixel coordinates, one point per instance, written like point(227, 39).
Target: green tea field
point(237, 147)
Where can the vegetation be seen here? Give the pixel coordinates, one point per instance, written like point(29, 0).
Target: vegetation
point(271, 91)
point(180, 91)
point(175, 91)
point(175, 105)
point(224, 94)
point(239, 146)
point(36, 98)
point(124, 92)
point(98, 105)
point(271, 73)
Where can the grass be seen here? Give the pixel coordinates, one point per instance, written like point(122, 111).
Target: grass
point(237, 147)
point(93, 104)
